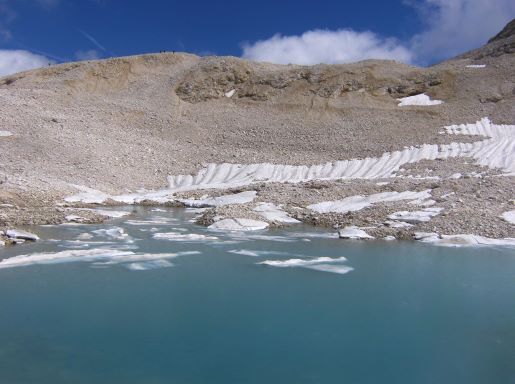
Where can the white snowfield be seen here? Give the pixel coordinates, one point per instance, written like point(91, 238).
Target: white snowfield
point(497, 150)
point(462, 240)
point(5, 133)
point(358, 202)
point(420, 100)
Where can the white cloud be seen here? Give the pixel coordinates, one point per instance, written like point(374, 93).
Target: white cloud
point(87, 55)
point(324, 46)
point(456, 26)
point(16, 61)
point(450, 27)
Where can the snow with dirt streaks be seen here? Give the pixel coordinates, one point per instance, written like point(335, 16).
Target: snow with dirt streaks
point(239, 224)
point(413, 217)
point(356, 203)
point(497, 151)
point(236, 198)
point(274, 213)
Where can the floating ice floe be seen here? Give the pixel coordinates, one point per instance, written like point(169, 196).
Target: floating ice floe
point(272, 212)
point(245, 252)
point(20, 234)
point(497, 151)
point(462, 240)
point(238, 224)
point(116, 233)
point(146, 265)
point(101, 256)
point(358, 202)
point(353, 232)
point(175, 236)
point(324, 264)
point(236, 198)
point(476, 66)
point(415, 216)
point(257, 253)
point(5, 133)
point(420, 100)
point(509, 216)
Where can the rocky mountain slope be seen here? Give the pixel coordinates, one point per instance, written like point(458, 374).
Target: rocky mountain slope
point(122, 124)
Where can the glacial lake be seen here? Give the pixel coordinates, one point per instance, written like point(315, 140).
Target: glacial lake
point(95, 304)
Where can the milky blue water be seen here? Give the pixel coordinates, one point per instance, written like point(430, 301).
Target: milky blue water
point(405, 313)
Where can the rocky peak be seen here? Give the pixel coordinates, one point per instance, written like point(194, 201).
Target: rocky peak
point(507, 31)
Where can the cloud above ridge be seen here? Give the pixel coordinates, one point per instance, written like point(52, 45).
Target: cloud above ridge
point(12, 61)
point(450, 27)
point(325, 46)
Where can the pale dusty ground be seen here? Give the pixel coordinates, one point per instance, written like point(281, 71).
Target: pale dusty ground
point(122, 124)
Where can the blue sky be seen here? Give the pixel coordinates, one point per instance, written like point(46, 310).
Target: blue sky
point(306, 32)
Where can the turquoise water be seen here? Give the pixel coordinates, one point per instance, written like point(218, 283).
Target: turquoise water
point(405, 313)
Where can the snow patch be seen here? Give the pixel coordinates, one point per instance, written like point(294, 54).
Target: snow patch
point(230, 93)
point(237, 198)
point(476, 66)
point(421, 100)
point(274, 213)
point(509, 216)
point(5, 133)
point(414, 217)
point(358, 202)
point(397, 224)
point(239, 224)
